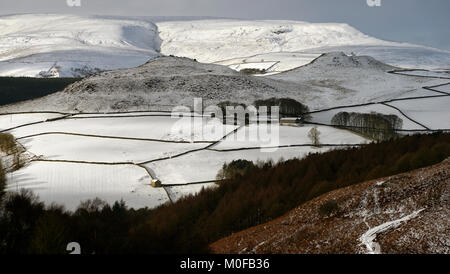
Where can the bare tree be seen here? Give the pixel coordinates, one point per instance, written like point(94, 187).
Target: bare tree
point(314, 134)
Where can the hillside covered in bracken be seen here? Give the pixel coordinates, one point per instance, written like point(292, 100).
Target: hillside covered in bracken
point(405, 213)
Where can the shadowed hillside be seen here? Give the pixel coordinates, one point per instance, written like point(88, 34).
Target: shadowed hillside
point(17, 89)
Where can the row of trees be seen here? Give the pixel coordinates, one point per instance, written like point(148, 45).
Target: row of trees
point(375, 125)
point(251, 194)
point(287, 108)
point(252, 71)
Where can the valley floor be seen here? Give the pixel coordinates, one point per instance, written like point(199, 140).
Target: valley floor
point(118, 156)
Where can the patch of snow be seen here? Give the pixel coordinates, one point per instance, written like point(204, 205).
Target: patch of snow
point(397, 54)
point(325, 117)
point(255, 136)
point(70, 183)
point(426, 73)
point(443, 88)
point(368, 238)
point(185, 169)
point(218, 40)
point(8, 121)
point(431, 112)
point(162, 128)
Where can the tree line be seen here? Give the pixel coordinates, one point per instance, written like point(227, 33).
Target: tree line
point(375, 125)
point(287, 108)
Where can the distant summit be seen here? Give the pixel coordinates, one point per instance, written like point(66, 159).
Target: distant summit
point(340, 59)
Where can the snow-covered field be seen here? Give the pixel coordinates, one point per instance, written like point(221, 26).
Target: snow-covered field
point(69, 183)
point(396, 54)
point(186, 169)
point(443, 88)
point(256, 136)
point(325, 117)
point(431, 112)
point(145, 127)
point(81, 175)
point(273, 62)
point(426, 73)
point(105, 150)
point(263, 65)
point(8, 121)
point(181, 170)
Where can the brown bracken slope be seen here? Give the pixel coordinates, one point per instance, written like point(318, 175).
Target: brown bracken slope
point(405, 213)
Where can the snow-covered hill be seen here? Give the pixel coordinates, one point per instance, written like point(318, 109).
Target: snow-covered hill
point(216, 40)
point(288, 43)
point(336, 79)
point(73, 46)
point(49, 45)
point(333, 79)
point(160, 84)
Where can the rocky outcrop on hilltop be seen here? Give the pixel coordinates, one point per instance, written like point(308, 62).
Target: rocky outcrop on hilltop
point(162, 83)
point(340, 59)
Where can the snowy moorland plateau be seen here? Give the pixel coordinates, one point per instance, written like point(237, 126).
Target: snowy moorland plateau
point(73, 46)
point(288, 43)
point(111, 134)
point(57, 45)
